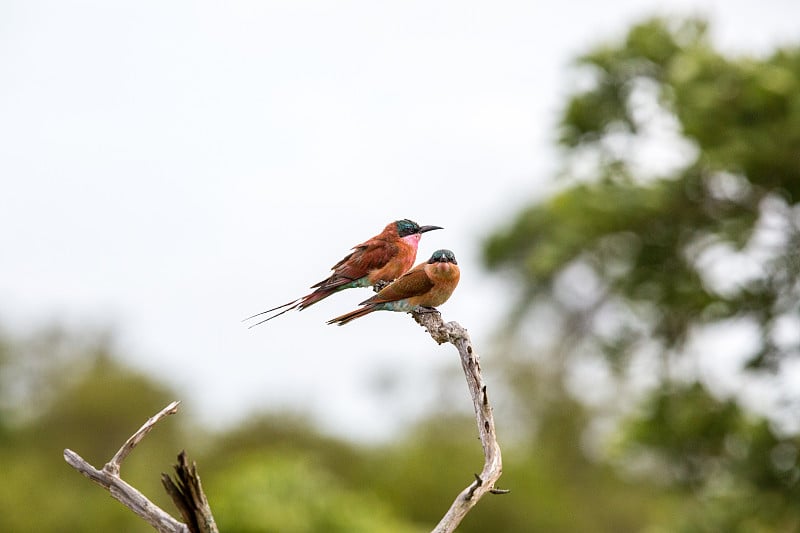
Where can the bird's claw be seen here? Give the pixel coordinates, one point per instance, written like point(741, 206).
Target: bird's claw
point(379, 285)
point(421, 309)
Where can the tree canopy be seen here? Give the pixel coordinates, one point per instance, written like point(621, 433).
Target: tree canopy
point(640, 251)
point(658, 251)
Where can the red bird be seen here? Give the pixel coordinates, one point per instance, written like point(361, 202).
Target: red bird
point(383, 258)
point(428, 284)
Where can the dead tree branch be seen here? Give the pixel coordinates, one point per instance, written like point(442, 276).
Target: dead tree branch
point(187, 494)
point(456, 335)
point(109, 478)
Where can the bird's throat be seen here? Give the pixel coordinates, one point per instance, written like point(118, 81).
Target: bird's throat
point(412, 240)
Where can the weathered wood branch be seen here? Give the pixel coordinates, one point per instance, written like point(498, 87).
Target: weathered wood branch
point(109, 478)
point(113, 466)
point(187, 493)
point(484, 482)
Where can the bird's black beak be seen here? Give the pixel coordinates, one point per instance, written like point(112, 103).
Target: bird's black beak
point(423, 229)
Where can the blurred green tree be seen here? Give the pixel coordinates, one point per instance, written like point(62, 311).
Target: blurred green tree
point(61, 389)
point(678, 214)
point(276, 473)
point(66, 390)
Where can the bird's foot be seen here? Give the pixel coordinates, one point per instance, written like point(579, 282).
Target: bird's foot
point(424, 310)
point(379, 285)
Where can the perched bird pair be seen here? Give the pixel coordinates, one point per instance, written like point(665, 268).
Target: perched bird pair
point(385, 258)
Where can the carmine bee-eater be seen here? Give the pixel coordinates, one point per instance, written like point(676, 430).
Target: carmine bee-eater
point(383, 258)
point(428, 284)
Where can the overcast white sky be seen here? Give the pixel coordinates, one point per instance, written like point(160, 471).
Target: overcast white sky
point(169, 168)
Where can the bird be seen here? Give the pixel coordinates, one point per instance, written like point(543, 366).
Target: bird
point(380, 259)
point(427, 285)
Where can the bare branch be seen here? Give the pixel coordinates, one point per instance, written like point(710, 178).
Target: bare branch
point(112, 467)
point(456, 335)
point(131, 498)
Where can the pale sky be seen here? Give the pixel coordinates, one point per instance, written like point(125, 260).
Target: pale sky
point(169, 168)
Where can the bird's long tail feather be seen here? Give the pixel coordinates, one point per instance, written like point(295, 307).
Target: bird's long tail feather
point(299, 304)
point(352, 315)
point(294, 304)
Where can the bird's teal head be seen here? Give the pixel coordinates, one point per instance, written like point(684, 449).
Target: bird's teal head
point(443, 256)
point(408, 227)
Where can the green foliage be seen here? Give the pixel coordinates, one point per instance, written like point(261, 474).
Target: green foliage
point(688, 428)
point(646, 236)
point(632, 257)
point(74, 396)
point(742, 475)
point(288, 492)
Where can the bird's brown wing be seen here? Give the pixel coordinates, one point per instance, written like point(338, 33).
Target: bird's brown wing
point(412, 283)
point(366, 257)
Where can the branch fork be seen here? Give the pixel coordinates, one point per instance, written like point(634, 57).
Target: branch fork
point(109, 478)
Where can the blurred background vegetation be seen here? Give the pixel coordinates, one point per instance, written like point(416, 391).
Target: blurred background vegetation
point(673, 227)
